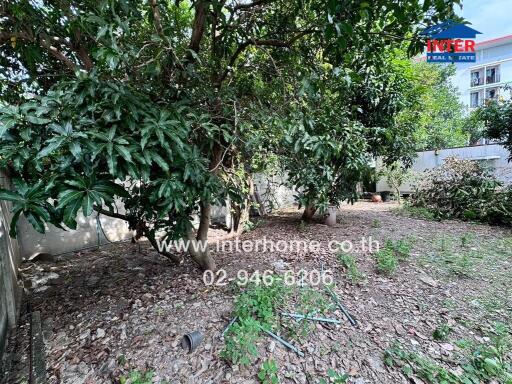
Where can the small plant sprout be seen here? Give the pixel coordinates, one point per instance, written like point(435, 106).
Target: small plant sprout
point(334, 378)
point(466, 239)
point(376, 223)
point(268, 372)
point(442, 332)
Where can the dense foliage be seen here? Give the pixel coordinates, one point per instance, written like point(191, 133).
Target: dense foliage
point(496, 116)
point(464, 189)
point(170, 105)
point(345, 117)
point(435, 113)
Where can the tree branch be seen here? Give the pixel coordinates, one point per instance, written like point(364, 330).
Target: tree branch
point(44, 41)
point(198, 28)
point(171, 256)
point(81, 51)
point(110, 213)
point(156, 17)
point(248, 5)
point(57, 54)
point(263, 42)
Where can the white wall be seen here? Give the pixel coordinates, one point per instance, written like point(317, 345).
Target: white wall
point(429, 159)
point(56, 241)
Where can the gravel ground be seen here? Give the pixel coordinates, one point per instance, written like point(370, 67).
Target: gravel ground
point(122, 308)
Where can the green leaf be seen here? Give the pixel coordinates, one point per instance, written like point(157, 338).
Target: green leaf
point(75, 149)
point(10, 195)
point(14, 223)
point(70, 213)
point(87, 204)
point(52, 146)
point(40, 212)
point(36, 221)
point(77, 183)
point(123, 151)
point(69, 196)
point(110, 188)
point(37, 120)
point(7, 123)
point(160, 161)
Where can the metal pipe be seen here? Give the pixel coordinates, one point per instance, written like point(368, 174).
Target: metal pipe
point(284, 342)
point(229, 326)
point(341, 307)
point(304, 317)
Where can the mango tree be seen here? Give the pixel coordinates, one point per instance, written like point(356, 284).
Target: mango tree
point(152, 103)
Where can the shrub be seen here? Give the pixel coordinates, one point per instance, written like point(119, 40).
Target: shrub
point(255, 309)
point(463, 189)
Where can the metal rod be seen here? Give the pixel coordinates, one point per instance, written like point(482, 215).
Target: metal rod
point(284, 342)
point(304, 317)
point(341, 307)
point(229, 326)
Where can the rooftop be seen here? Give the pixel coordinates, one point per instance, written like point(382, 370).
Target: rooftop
point(494, 42)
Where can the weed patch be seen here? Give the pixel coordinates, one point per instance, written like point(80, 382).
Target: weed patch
point(137, 377)
point(481, 363)
point(350, 264)
point(387, 258)
point(442, 332)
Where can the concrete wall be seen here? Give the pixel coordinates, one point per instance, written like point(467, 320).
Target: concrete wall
point(273, 191)
point(56, 241)
point(88, 233)
point(494, 155)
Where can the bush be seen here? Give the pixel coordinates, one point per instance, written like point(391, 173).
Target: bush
point(465, 190)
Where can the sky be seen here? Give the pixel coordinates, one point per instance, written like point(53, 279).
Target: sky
point(491, 17)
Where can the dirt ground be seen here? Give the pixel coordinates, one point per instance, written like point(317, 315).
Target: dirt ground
point(122, 308)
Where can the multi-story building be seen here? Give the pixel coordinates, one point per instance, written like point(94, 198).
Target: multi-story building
point(487, 77)
point(476, 82)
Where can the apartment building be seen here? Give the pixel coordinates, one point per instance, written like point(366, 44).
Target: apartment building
point(486, 78)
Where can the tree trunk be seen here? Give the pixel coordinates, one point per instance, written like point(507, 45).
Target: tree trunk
point(240, 214)
point(256, 198)
point(309, 212)
point(171, 256)
point(398, 197)
point(198, 247)
point(200, 252)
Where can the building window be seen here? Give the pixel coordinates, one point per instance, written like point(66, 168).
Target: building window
point(477, 77)
point(492, 93)
point(475, 100)
point(492, 75)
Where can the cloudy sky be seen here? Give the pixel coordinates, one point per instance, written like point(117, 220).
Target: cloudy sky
point(491, 17)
